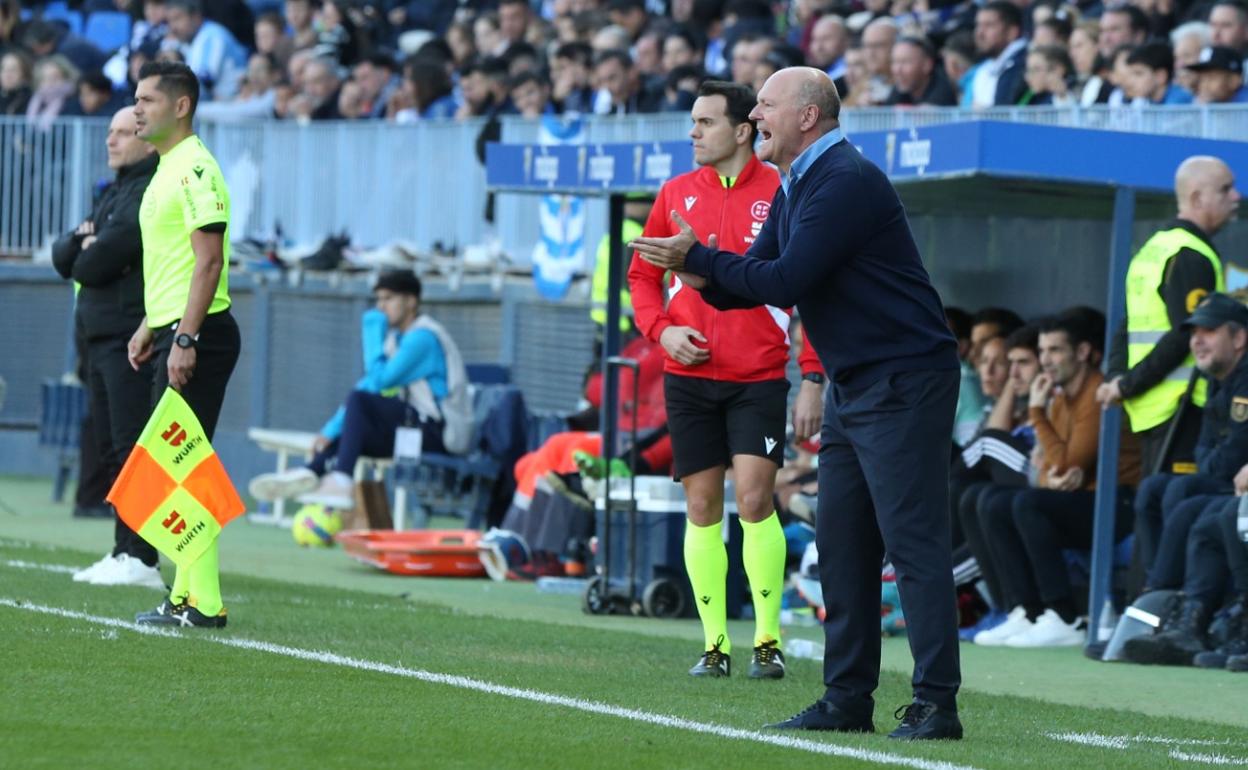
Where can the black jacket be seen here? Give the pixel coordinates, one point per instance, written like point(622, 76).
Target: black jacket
point(1222, 448)
point(110, 302)
point(1188, 276)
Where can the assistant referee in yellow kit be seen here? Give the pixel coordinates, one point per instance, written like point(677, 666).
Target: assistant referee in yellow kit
point(188, 330)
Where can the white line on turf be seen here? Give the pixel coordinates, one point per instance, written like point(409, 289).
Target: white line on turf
point(1126, 741)
point(579, 704)
point(63, 569)
point(1208, 759)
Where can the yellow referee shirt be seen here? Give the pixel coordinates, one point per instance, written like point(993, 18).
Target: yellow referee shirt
point(186, 193)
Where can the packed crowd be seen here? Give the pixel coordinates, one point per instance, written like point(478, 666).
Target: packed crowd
point(407, 61)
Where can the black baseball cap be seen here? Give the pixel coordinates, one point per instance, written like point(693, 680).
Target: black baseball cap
point(399, 282)
point(1218, 58)
point(1215, 310)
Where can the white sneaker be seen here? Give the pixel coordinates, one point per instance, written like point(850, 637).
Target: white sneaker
point(1049, 630)
point(279, 486)
point(125, 570)
point(84, 575)
point(336, 491)
point(1015, 623)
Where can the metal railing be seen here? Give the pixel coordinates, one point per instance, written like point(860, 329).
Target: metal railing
point(421, 184)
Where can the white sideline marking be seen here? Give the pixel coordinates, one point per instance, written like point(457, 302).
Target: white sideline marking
point(579, 704)
point(1208, 759)
point(63, 569)
point(1125, 741)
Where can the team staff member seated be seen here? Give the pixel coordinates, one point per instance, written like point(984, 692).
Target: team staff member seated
point(1150, 365)
point(725, 381)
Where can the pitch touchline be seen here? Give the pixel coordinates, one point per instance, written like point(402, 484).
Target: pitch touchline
point(579, 704)
point(59, 568)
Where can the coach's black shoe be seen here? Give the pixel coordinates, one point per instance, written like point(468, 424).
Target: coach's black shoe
point(1237, 663)
point(182, 615)
point(713, 663)
point(1236, 642)
point(925, 721)
point(822, 715)
point(767, 662)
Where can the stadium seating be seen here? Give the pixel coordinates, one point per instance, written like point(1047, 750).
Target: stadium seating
point(61, 12)
point(108, 30)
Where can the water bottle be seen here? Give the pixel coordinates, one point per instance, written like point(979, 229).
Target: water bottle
point(803, 648)
point(1243, 519)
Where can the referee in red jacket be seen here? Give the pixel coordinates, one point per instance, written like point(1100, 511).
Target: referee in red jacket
point(725, 382)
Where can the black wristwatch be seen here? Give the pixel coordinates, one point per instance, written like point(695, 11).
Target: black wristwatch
point(186, 341)
point(814, 377)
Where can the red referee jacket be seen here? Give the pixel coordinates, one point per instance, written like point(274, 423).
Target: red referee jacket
point(746, 345)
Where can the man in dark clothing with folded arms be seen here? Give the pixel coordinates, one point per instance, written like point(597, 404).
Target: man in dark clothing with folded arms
point(837, 245)
point(105, 255)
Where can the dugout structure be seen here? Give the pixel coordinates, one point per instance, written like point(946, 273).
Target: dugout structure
point(1036, 218)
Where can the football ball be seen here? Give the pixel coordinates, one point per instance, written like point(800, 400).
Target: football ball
point(315, 526)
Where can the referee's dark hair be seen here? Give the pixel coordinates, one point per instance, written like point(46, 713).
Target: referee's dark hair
point(740, 101)
point(176, 80)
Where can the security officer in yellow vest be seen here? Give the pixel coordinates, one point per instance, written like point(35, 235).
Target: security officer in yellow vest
point(1174, 270)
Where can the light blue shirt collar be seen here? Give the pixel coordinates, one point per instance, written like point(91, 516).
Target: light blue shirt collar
point(808, 157)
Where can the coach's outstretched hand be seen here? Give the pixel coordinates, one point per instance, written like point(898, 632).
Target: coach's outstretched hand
point(667, 253)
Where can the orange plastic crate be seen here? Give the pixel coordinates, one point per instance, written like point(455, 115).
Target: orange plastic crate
point(427, 552)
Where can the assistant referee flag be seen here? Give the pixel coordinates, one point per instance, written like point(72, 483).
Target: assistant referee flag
point(173, 490)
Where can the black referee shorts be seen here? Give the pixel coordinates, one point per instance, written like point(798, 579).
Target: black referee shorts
point(712, 421)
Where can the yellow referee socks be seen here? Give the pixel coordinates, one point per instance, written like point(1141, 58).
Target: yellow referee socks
point(706, 561)
point(763, 552)
point(204, 583)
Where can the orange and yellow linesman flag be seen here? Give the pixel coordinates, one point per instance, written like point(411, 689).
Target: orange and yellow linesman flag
point(173, 490)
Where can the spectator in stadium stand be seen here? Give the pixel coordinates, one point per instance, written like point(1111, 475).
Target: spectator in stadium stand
point(1217, 558)
point(682, 47)
point(319, 98)
point(1148, 81)
point(514, 17)
point(257, 97)
point(146, 34)
point(300, 18)
point(10, 24)
point(436, 15)
point(426, 93)
point(378, 80)
point(43, 38)
point(856, 90)
point(350, 101)
point(917, 77)
point(1058, 512)
point(483, 86)
point(648, 53)
point(1091, 84)
point(1120, 25)
point(15, 78)
point(746, 53)
point(54, 87)
point(1048, 76)
point(1188, 40)
point(530, 93)
point(629, 14)
point(782, 55)
point(958, 55)
point(460, 41)
point(487, 37)
point(271, 38)
point(95, 98)
point(1119, 74)
point(610, 38)
point(1228, 21)
point(877, 43)
point(681, 89)
point(1054, 30)
point(999, 38)
point(829, 39)
point(619, 86)
point(1219, 77)
point(522, 57)
point(337, 36)
point(1219, 329)
point(207, 48)
point(570, 71)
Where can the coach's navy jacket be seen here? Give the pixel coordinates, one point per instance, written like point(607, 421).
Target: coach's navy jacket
point(837, 245)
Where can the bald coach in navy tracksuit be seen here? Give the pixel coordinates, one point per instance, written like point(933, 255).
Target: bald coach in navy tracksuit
point(837, 245)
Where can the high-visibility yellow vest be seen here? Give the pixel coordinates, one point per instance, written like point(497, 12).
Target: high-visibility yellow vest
point(1147, 321)
point(598, 290)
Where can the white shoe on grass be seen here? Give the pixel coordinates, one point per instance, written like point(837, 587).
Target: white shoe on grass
point(1015, 623)
point(280, 486)
point(337, 491)
point(1049, 630)
point(125, 570)
point(84, 575)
